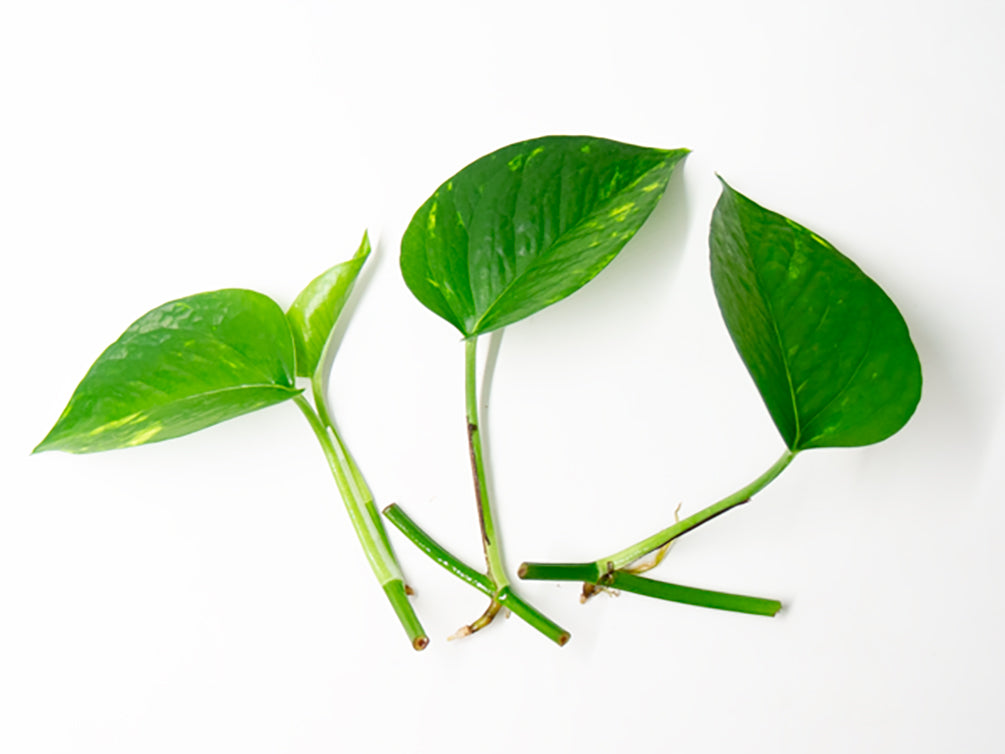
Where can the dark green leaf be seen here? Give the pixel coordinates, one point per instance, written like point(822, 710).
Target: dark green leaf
point(528, 225)
point(315, 311)
point(186, 365)
point(826, 347)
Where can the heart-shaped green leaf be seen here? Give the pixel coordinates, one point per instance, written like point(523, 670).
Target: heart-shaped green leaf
point(317, 308)
point(527, 225)
point(183, 366)
point(828, 350)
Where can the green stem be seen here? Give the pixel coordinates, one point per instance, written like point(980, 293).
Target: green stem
point(501, 597)
point(436, 551)
point(560, 572)
point(319, 389)
point(510, 599)
point(600, 571)
point(630, 582)
point(687, 595)
point(361, 490)
point(629, 555)
point(490, 538)
point(494, 583)
point(397, 595)
point(365, 520)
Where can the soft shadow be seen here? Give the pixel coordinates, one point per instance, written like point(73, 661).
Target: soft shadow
point(665, 232)
point(642, 272)
point(491, 357)
point(948, 441)
point(652, 259)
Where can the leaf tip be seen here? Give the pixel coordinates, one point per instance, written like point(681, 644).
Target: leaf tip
point(49, 443)
point(364, 246)
point(674, 157)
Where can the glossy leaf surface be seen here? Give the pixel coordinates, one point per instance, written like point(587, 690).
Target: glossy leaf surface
point(183, 366)
point(828, 350)
point(527, 225)
point(315, 311)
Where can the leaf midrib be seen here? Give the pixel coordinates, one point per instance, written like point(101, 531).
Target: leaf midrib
point(245, 362)
point(778, 338)
point(232, 388)
point(154, 407)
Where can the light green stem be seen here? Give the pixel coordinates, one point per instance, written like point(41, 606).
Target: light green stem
point(339, 462)
point(360, 490)
point(364, 516)
point(629, 555)
point(319, 389)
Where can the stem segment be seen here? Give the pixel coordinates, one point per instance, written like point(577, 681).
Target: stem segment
point(364, 517)
point(494, 582)
point(490, 540)
point(629, 555)
point(614, 571)
point(436, 551)
point(737, 603)
point(631, 582)
point(560, 572)
point(496, 571)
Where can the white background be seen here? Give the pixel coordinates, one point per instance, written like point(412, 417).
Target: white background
point(207, 594)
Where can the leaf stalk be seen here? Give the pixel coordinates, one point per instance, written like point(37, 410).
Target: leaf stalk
point(494, 583)
point(486, 521)
point(364, 517)
point(616, 571)
point(629, 555)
